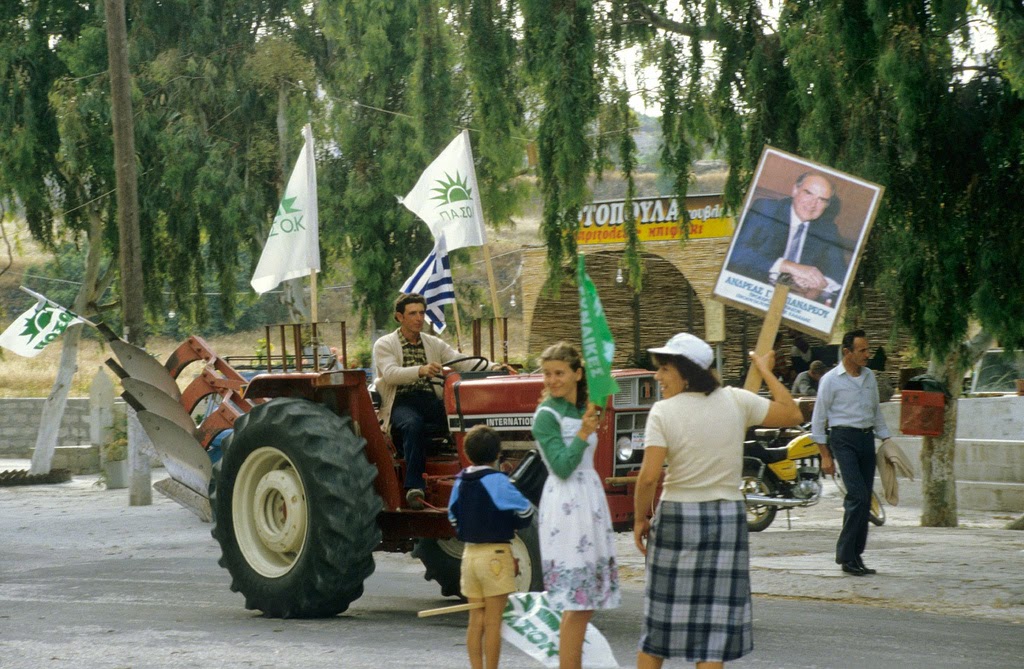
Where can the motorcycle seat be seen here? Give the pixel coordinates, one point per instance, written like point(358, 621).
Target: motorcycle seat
point(756, 449)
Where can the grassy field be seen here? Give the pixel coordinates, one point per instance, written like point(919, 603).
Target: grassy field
point(34, 377)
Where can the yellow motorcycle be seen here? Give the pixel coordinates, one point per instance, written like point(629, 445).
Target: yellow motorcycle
point(782, 470)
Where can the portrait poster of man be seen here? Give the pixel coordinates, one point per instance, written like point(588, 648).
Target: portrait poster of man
point(803, 223)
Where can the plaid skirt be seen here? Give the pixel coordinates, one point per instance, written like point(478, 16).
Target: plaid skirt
point(697, 602)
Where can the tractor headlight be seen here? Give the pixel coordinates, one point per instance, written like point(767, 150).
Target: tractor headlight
point(624, 449)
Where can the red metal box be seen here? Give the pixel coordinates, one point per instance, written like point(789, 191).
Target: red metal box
point(922, 413)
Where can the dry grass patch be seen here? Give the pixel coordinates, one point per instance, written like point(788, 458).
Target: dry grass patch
point(34, 377)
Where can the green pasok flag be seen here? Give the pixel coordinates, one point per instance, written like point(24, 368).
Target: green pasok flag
point(598, 344)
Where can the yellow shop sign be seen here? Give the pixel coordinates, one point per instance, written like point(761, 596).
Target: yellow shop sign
point(658, 219)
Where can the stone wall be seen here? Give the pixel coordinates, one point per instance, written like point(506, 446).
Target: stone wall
point(989, 458)
point(20, 424)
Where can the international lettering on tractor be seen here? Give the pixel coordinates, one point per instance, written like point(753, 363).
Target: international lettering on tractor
point(308, 486)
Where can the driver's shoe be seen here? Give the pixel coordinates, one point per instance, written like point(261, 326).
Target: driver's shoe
point(414, 498)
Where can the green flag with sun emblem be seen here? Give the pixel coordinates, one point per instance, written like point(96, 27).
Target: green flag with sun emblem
point(447, 198)
point(598, 344)
point(30, 332)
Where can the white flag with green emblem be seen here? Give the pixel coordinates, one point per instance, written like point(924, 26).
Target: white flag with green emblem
point(447, 198)
point(30, 332)
point(293, 245)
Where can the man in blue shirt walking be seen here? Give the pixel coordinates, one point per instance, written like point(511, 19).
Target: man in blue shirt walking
point(848, 403)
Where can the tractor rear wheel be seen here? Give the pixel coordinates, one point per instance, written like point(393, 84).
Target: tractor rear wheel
point(294, 510)
point(443, 561)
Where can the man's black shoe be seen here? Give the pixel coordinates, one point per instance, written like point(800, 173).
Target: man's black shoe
point(853, 568)
point(867, 570)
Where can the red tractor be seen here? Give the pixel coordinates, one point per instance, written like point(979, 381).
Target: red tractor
point(309, 486)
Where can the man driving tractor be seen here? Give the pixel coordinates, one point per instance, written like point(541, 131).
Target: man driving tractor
point(405, 361)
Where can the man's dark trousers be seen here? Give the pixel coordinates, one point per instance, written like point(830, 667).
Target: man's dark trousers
point(413, 414)
point(854, 452)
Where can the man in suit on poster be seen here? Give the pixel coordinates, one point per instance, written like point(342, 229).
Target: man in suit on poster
point(797, 236)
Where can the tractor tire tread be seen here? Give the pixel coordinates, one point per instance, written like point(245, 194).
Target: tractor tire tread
point(342, 508)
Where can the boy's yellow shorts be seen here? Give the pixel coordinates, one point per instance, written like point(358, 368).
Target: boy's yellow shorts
point(488, 570)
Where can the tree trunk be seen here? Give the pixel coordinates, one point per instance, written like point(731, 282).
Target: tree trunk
point(938, 480)
point(130, 256)
point(938, 454)
point(57, 400)
point(293, 296)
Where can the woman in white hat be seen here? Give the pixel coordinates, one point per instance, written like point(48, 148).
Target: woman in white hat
point(698, 563)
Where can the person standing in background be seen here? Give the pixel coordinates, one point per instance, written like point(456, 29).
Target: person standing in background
point(848, 403)
point(806, 383)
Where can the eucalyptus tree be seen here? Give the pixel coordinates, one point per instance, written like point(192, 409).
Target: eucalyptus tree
point(208, 145)
point(894, 91)
point(60, 199)
point(394, 105)
point(205, 138)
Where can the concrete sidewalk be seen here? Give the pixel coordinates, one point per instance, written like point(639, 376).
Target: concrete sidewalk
point(975, 569)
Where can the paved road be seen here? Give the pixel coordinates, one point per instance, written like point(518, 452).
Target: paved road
point(86, 581)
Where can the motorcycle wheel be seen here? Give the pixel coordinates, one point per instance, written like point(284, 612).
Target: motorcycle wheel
point(759, 517)
point(877, 513)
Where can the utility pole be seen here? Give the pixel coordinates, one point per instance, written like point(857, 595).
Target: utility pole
point(130, 252)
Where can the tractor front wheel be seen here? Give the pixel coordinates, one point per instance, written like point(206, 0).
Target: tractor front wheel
point(294, 510)
point(442, 559)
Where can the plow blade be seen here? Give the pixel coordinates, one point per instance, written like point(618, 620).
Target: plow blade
point(155, 400)
point(185, 496)
point(183, 457)
point(144, 367)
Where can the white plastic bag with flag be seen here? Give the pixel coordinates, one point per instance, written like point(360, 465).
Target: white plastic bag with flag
point(433, 280)
point(447, 198)
point(293, 245)
point(30, 332)
point(531, 625)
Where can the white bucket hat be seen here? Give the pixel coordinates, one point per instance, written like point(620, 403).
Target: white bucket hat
point(692, 348)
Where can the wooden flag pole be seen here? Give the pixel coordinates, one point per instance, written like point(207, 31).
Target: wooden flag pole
point(312, 296)
point(490, 279)
point(450, 609)
point(766, 339)
point(458, 325)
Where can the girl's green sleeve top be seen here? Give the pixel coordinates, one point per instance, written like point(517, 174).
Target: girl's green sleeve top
point(562, 455)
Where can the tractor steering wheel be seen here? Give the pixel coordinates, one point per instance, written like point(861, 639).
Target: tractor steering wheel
point(480, 363)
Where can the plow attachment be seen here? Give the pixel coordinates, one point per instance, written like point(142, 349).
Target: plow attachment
point(164, 411)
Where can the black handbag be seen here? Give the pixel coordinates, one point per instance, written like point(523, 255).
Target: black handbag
point(529, 476)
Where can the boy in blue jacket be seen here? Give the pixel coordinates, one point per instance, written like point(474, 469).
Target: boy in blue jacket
point(486, 510)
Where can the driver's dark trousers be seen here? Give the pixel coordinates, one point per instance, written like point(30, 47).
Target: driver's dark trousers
point(414, 414)
point(853, 450)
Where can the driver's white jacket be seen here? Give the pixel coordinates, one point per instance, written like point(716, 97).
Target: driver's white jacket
point(389, 372)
